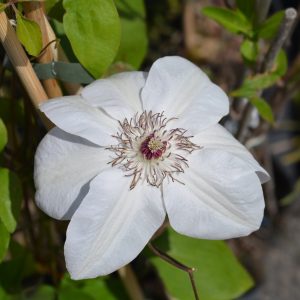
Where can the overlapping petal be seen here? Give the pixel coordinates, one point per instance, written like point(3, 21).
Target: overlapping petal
point(222, 197)
point(64, 166)
point(180, 89)
point(112, 225)
point(119, 95)
point(217, 137)
point(75, 115)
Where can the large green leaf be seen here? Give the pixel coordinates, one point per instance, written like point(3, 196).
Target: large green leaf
point(229, 19)
point(219, 275)
point(268, 28)
point(5, 114)
point(249, 50)
point(97, 289)
point(134, 42)
point(10, 198)
point(54, 9)
point(264, 109)
point(246, 8)
point(94, 31)
point(3, 135)
point(29, 34)
point(4, 238)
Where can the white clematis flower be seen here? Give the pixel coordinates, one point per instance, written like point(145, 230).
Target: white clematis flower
point(135, 147)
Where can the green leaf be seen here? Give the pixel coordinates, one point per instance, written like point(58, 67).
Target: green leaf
point(229, 19)
point(55, 10)
point(98, 288)
point(31, 0)
point(74, 294)
point(2, 7)
point(134, 42)
point(219, 275)
point(43, 292)
point(29, 34)
point(94, 31)
point(253, 83)
point(10, 198)
point(3, 135)
point(268, 28)
point(249, 51)
point(4, 238)
point(264, 109)
point(116, 68)
point(246, 8)
point(5, 114)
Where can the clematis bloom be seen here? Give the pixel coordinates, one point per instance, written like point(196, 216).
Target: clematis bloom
point(135, 147)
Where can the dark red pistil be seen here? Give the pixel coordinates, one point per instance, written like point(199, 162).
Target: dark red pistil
point(147, 152)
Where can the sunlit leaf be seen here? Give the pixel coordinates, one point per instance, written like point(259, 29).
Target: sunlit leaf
point(264, 109)
point(229, 19)
point(2, 6)
point(268, 28)
point(94, 31)
point(4, 240)
point(249, 51)
point(3, 135)
point(134, 42)
point(29, 34)
point(55, 10)
point(10, 198)
point(246, 8)
point(252, 84)
point(219, 275)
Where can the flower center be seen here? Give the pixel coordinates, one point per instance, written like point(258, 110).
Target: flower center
point(153, 146)
point(151, 149)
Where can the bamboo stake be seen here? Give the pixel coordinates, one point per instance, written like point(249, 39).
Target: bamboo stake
point(130, 283)
point(59, 55)
point(34, 11)
point(22, 66)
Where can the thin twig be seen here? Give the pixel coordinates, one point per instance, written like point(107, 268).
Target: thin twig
point(169, 259)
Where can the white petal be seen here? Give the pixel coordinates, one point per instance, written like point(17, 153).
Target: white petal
point(75, 115)
point(217, 137)
point(64, 166)
point(180, 89)
point(112, 225)
point(222, 197)
point(119, 95)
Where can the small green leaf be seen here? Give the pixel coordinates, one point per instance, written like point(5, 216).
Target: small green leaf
point(2, 7)
point(134, 42)
point(4, 238)
point(249, 51)
point(55, 10)
point(94, 31)
point(246, 9)
point(229, 19)
point(268, 28)
point(29, 34)
point(10, 198)
point(263, 108)
point(43, 292)
point(5, 114)
point(219, 275)
point(3, 135)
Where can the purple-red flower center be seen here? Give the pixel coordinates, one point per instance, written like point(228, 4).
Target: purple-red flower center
point(153, 147)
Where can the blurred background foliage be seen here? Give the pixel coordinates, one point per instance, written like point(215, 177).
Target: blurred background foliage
point(227, 42)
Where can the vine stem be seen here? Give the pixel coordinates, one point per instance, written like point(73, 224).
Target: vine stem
point(278, 41)
point(169, 259)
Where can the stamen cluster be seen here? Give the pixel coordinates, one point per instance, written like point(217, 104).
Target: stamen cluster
point(150, 150)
